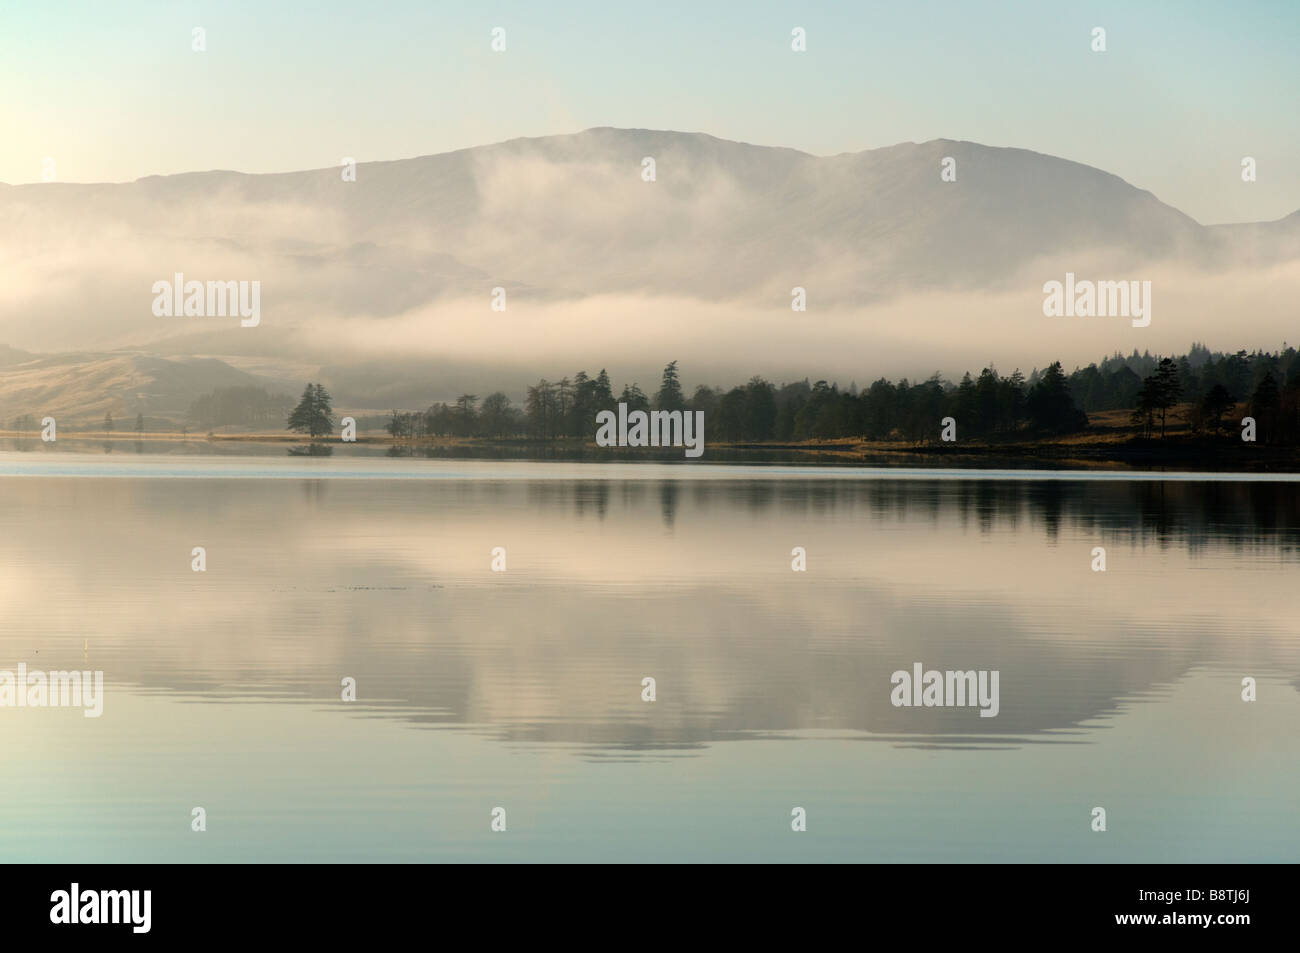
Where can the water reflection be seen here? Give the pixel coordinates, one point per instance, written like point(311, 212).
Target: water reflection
point(314, 449)
point(390, 582)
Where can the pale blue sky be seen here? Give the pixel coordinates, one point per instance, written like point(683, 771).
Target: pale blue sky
point(112, 91)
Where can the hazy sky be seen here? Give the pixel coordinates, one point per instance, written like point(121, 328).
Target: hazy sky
point(113, 91)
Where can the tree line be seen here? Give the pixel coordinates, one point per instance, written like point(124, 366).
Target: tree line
point(1206, 387)
point(761, 411)
point(1199, 390)
point(1202, 386)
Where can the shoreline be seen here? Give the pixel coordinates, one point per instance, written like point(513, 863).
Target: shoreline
point(1077, 451)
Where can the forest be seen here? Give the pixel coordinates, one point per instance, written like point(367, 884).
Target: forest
point(1196, 393)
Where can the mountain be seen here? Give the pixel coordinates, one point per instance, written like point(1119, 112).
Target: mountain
point(78, 389)
point(402, 262)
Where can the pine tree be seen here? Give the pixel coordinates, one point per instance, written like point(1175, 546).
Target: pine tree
point(1167, 389)
point(465, 413)
point(634, 397)
point(670, 396)
point(301, 418)
point(1050, 404)
point(314, 414)
point(604, 391)
point(1145, 407)
point(322, 413)
point(1215, 404)
point(1264, 404)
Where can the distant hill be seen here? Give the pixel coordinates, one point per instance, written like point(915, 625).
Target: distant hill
point(81, 388)
point(696, 265)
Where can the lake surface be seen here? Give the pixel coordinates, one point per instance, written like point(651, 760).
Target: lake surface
point(522, 689)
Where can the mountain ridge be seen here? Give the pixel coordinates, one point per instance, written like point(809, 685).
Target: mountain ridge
point(595, 260)
point(517, 141)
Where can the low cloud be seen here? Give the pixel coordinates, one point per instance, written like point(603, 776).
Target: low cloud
point(604, 269)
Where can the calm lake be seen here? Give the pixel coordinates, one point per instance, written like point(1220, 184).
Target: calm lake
point(522, 689)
